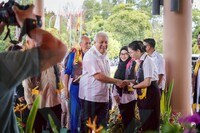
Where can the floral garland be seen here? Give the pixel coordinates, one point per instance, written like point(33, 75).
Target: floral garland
point(78, 57)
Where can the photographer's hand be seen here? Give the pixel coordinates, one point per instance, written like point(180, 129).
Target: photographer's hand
point(21, 15)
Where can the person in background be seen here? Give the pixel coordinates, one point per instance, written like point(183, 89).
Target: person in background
point(73, 69)
point(126, 99)
point(93, 90)
point(147, 88)
point(65, 120)
point(16, 66)
point(196, 82)
point(46, 85)
point(158, 60)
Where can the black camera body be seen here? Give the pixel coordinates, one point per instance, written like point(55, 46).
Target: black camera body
point(7, 15)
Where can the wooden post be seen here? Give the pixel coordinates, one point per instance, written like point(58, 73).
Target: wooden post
point(178, 54)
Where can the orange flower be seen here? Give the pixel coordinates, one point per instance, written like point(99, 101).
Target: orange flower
point(20, 108)
point(93, 126)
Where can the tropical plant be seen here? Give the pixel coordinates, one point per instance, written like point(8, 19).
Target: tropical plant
point(32, 115)
point(190, 123)
point(53, 125)
point(165, 103)
point(115, 121)
point(20, 125)
point(173, 122)
point(20, 108)
point(169, 119)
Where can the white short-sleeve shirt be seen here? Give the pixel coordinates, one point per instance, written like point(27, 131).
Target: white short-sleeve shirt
point(91, 89)
point(159, 62)
point(149, 68)
point(125, 98)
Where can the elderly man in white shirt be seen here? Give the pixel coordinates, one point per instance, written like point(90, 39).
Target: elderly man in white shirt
point(93, 90)
point(158, 60)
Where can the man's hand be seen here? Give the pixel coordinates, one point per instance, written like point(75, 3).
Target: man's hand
point(21, 15)
point(121, 83)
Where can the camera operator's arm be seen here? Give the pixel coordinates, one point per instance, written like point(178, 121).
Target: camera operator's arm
point(52, 50)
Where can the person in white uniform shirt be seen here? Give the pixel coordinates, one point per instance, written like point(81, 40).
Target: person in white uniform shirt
point(93, 90)
point(147, 88)
point(158, 60)
point(196, 82)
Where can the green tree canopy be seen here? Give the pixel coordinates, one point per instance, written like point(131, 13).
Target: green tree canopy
point(91, 8)
point(127, 24)
point(113, 47)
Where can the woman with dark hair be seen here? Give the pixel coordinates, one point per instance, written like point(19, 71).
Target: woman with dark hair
point(125, 98)
point(147, 88)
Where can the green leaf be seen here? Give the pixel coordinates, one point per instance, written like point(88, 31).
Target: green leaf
point(162, 103)
point(32, 115)
point(19, 125)
point(169, 95)
point(103, 131)
point(53, 126)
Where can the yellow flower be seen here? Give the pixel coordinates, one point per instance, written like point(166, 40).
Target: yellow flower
point(112, 111)
point(110, 120)
point(20, 107)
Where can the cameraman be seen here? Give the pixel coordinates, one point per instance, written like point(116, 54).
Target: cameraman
point(17, 65)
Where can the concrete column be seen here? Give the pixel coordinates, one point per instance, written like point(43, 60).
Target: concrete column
point(177, 53)
point(39, 10)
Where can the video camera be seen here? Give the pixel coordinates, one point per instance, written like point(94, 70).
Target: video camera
point(7, 15)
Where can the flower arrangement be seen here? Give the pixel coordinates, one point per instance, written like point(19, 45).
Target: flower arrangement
point(171, 122)
point(174, 122)
point(20, 108)
point(190, 123)
point(115, 121)
point(169, 119)
point(29, 124)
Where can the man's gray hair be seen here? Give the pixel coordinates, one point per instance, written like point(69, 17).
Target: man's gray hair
point(82, 37)
point(100, 33)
